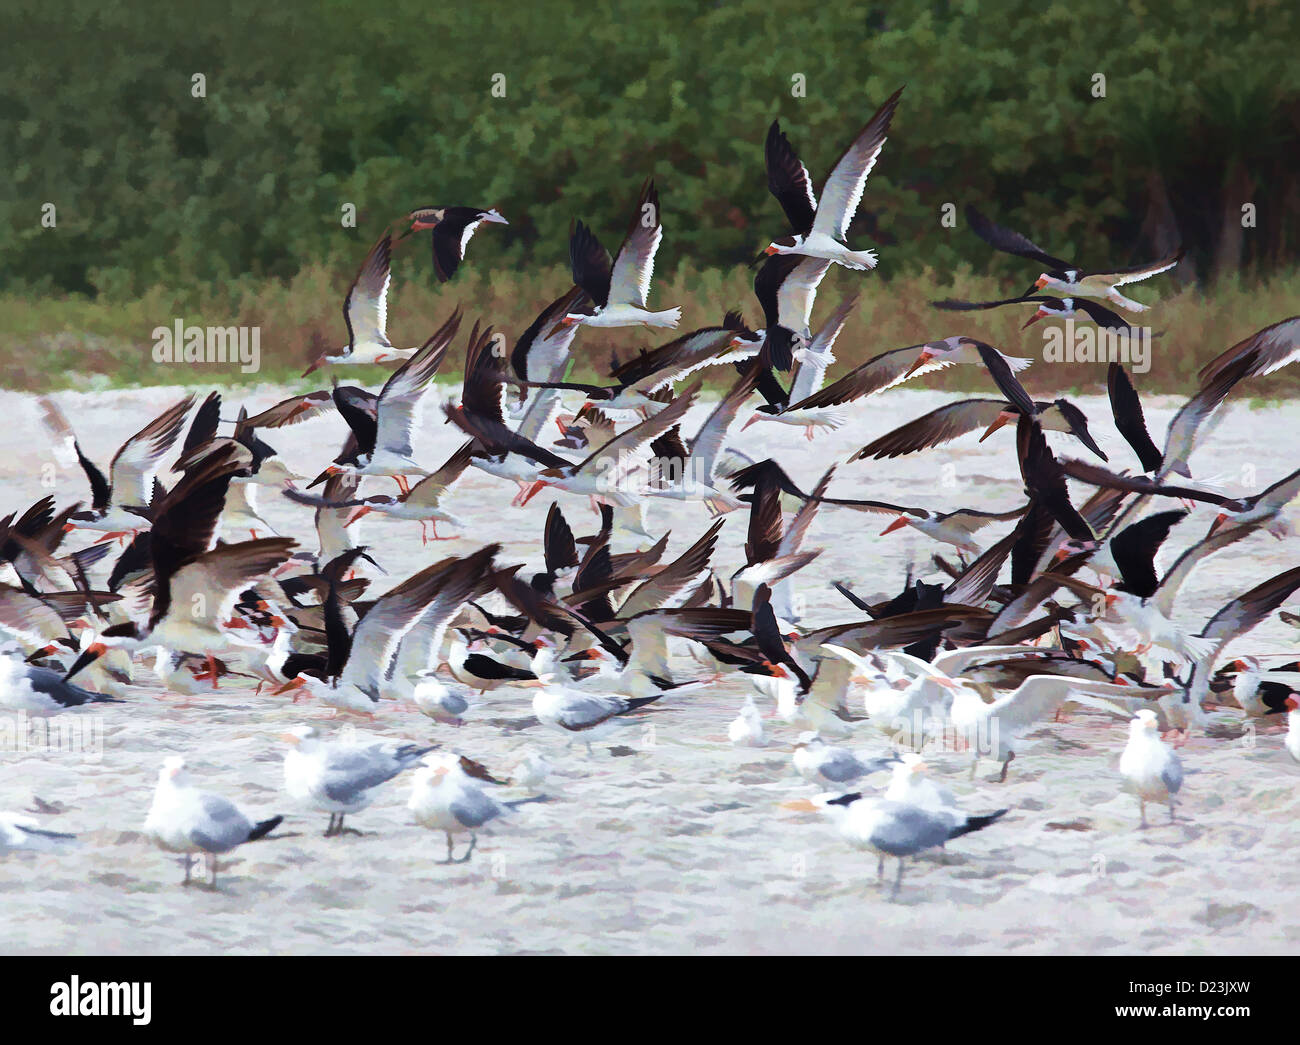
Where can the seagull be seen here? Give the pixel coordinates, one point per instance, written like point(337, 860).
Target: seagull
point(439, 703)
point(993, 730)
point(1065, 278)
point(452, 229)
point(819, 762)
point(1149, 765)
point(619, 289)
point(340, 778)
point(584, 716)
point(746, 729)
point(184, 819)
point(119, 503)
point(819, 229)
point(365, 311)
point(446, 797)
point(532, 771)
point(18, 832)
point(41, 692)
point(383, 440)
point(1293, 727)
point(890, 828)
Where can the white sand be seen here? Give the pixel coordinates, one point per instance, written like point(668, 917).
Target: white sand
point(681, 845)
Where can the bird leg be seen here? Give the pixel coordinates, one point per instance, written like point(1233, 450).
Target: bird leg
point(189, 864)
point(1172, 817)
point(212, 870)
point(473, 841)
point(332, 830)
point(434, 524)
point(898, 881)
point(880, 869)
point(449, 860)
point(1142, 805)
point(1002, 778)
point(424, 537)
point(808, 433)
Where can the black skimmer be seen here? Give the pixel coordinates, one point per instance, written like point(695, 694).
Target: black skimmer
point(365, 311)
point(452, 229)
point(819, 229)
point(786, 287)
point(1047, 308)
point(119, 504)
point(967, 415)
point(42, 692)
point(1264, 352)
point(618, 289)
point(383, 440)
point(606, 474)
point(421, 503)
point(1064, 278)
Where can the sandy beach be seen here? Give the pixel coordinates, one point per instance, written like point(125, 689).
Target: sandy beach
point(675, 842)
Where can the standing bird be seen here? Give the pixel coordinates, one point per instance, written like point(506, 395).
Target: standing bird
point(618, 289)
point(746, 729)
point(340, 778)
point(445, 797)
point(819, 229)
point(890, 828)
point(452, 229)
point(184, 819)
point(1149, 765)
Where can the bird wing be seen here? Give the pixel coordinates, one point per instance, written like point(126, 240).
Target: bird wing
point(875, 375)
point(633, 269)
point(291, 411)
point(707, 445)
point(396, 411)
point(590, 264)
point(365, 309)
point(1136, 274)
point(810, 368)
point(1009, 242)
point(935, 428)
point(429, 490)
point(673, 579)
point(842, 191)
point(1130, 420)
point(132, 472)
point(788, 180)
point(627, 445)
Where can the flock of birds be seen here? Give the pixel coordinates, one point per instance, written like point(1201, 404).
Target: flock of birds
point(1082, 617)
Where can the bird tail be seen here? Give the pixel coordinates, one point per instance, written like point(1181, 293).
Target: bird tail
point(261, 830)
point(669, 317)
point(637, 702)
point(409, 754)
point(517, 802)
point(977, 823)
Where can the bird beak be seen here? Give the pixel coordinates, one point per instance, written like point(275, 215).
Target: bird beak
point(801, 805)
point(1040, 282)
point(314, 366)
point(921, 360)
point(69, 527)
point(533, 491)
point(1004, 418)
point(1214, 526)
point(756, 417)
point(288, 687)
point(493, 216)
point(769, 250)
point(1040, 314)
point(363, 510)
point(897, 524)
point(91, 653)
point(289, 738)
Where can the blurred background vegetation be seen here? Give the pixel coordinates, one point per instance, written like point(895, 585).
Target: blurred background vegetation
point(226, 208)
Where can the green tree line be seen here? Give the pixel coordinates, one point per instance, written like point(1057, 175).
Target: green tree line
point(387, 106)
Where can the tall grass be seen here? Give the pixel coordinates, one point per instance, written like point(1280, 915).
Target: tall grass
point(59, 342)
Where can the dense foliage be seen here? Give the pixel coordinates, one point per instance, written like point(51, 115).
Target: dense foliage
point(390, 105)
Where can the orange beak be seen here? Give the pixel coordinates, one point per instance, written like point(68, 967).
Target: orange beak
point(1004, 418)
point(1214, 526)
point(533, 491)
point(288, 687)
point(921, 360)
point(69, 527)
point(756, 417)
point(363, 510)
point(897, 524)
point(1040, 282)
point(314, 366)
point(1040, 314)
point(769, 250)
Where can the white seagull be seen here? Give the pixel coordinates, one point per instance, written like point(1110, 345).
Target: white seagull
point(1149, 765)
point(184, 819)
